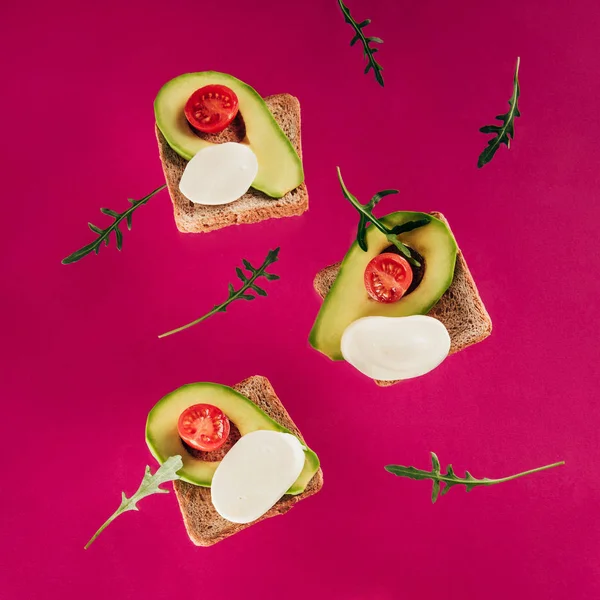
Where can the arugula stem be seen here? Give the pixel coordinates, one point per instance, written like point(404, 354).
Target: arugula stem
point(214, 311)
point(103, 527)
point(260, 272)
point(509, 478)
point(451, 479)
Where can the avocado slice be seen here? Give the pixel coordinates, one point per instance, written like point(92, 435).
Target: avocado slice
point(348, 300)
point(279, 166)
point(163, 439)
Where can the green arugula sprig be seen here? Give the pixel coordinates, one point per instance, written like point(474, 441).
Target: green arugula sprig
point(367, 216)
point(450, 478)
point(248, 284)
point(104, 234)
point(150, 485)
point(368, 52)
point(505, 132)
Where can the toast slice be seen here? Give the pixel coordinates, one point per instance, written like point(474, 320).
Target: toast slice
point(204, 525)
point(253, 206)
point(460, 309)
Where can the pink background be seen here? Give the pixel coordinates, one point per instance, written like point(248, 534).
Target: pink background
point(81, 364)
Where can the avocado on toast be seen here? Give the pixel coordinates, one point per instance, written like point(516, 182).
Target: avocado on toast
point(460, 308)
point(252, 207)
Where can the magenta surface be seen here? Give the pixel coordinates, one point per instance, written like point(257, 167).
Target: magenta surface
point(81, 364)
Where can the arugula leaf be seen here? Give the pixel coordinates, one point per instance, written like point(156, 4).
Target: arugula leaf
point(150, 485)
point(248, 284)
point(505, 132)
point(450, 478)
point(367, 216)
point(104, 234)
point(366, 42)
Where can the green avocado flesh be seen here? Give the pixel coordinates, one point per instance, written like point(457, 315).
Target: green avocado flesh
point(348, 300)
point(163, 438)
point(279, 166)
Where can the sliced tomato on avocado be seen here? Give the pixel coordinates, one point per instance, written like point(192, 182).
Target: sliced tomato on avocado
point(387, 277)
point(203, 427)
point(211, 108)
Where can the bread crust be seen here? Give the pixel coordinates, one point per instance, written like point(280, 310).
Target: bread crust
point(204, 525)
point(252, 207)
point(460, 309)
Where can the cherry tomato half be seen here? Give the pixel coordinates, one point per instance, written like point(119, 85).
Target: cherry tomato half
point(203, 427)
point(387, 277)
point(211, 108)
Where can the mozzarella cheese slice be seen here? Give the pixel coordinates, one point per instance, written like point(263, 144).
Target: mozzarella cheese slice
point(255, 473)
point(219, 174)
point(390, 348)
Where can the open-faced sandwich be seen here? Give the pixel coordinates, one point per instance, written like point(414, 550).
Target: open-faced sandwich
point(234, 454)
point(401, 300)
point(228, 155)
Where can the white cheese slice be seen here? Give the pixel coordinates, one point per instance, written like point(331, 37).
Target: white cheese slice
point(219, 174)
point(390, 348)
point(255, 473)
